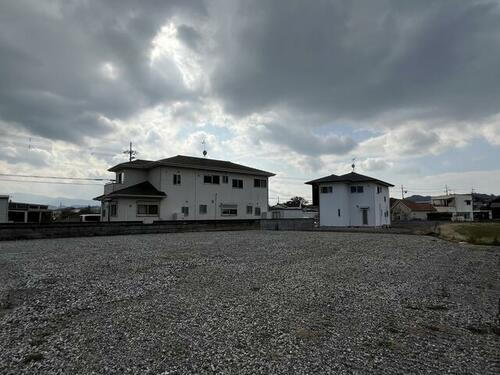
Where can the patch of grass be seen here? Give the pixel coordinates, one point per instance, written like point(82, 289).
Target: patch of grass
point(475, 233)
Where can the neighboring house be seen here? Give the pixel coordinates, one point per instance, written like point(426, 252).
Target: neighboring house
point(29, 213)
point(184, 188)
point(351, 200)
point(4, 208)
point(280, 211)
point(405, 209)
point(459, 207)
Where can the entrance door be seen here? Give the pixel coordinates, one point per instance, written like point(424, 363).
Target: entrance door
point(365, 215)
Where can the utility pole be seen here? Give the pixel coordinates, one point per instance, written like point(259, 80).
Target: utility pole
point(446, 189)
point(131, 153)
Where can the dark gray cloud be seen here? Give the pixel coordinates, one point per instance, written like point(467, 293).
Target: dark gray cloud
point(361, 59)
point(55, 81)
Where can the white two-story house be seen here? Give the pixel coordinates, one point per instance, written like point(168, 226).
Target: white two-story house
point(351, 200)
point(184, 188)
point(459, 207)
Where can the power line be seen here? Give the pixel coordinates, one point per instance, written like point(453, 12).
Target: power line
point(57, 177)
point(50, 182)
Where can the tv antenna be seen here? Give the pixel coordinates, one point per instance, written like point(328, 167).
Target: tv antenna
point(353, 165)
point(204, 149)
point(131, 153)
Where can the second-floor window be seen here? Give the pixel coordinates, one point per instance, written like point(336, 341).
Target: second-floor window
point(211, 179)
point(260, 183)
point(357, 189)
point(120, 178)
point(326, 189)
point(379, 189)
point(177, 179)
point(237, 184)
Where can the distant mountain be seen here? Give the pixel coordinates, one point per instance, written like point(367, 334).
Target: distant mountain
point(419, 198)
point(50, 201)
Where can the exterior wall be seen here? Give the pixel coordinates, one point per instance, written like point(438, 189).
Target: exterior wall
point(351, 205)
point(4, 209)
point(126, 210)
point(192, 192)
point(131, 177)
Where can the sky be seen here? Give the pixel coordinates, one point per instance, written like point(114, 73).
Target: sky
point(409, 89)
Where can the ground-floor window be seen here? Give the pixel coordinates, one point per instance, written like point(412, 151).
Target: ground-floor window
point(257, 211)
point(203, 209)
point(113, 209)
point(249, 210)
point(185, 211)
point(229, 210)
point(147, 209)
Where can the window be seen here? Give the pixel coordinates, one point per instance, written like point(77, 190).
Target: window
point(249, 210)
point(185, 211)
point(257, 211)
point(386, 213)
point(385, 199)
point(260, 183)
point(147, 209)
point(225, 179)
point(120, 177)
point(326, 189)
point(379, 189)
point(229, 209)
point(177, 179)
point(468, 202)
point(237, 184)
point(113, 210)
point(208, 179)
point(338, 212)
point(357, 189)
point(203, 209)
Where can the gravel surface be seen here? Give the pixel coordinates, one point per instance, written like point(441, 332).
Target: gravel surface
point(247, 303)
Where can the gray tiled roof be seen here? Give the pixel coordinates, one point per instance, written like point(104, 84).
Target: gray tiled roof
point(181, 161)
point(352, 177)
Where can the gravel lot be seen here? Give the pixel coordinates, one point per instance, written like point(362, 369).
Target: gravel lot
point(249, 302)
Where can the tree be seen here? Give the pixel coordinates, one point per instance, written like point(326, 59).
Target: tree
point(296, 202)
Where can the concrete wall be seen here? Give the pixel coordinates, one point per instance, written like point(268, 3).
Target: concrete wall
point(33, 231)
point(287, 224)
point(4, 209)
point(343, 208)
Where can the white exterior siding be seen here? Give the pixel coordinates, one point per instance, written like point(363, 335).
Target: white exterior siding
point(350, 205)
point(191, 192)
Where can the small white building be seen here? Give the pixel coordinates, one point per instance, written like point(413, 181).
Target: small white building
point(185, 188)
point(351, 200)
point(459, 206)
point(4, 208)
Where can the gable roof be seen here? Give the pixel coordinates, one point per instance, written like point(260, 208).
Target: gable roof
point(142, 189)
point(352, 177)
point(417, 207)
point(181, 161)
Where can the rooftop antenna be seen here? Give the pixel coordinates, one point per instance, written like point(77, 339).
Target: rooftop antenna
point(204, 149)
point(353, 165)
point(131, 153)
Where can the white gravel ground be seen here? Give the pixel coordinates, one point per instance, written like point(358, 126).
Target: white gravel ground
point(247, 303)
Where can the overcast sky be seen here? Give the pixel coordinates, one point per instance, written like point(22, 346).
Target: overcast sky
point(411, 89)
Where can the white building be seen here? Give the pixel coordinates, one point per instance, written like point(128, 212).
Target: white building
point(459, 206)
point(351, 200)
point(184, 188)
point(4, 208)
